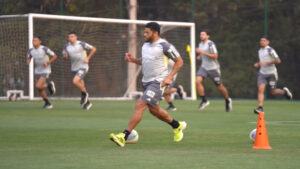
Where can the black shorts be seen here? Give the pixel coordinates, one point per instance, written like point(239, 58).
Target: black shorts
point(152, 93)
point(214, 75)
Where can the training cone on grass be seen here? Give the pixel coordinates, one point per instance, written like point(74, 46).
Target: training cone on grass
point(261, 138)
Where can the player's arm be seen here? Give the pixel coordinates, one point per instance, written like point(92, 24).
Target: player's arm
point(130, 58)
point(172, 53)
point(52, 54)
point(211, 55)
point(177, 66)
point(276, 60)
point(28, 60)
point(92, 52)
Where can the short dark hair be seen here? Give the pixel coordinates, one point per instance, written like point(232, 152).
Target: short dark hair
point(38, 37)
point(154, 26)
point(206, 31)
point(72, 33)
point(265, 37)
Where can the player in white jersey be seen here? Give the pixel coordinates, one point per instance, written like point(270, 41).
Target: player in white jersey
point(210, 67)
point(172, 88)
point(76, 51)
point(42, 69)
point(268, 73)
point(155, 78)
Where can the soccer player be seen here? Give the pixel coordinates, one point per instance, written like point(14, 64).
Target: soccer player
point(76, 50)
point(210, 67)
point(172, 88)
point(42, 69)
point(155, 78)
point(268, 73)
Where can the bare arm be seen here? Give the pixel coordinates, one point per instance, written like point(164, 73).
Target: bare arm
point(130, 58)
point(177, 66)
point(92, 52)
point(28, 60)
point(53, 58)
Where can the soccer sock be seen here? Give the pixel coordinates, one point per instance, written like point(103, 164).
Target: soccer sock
point(203, 98)
point(126, 132)
point(260, 107)
point(46, 101)
point(83, 93)
point(227, 100)
point(174, 124)
point(171, 104)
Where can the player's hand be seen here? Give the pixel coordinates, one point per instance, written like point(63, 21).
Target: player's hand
point(65, 56)
point(256, 65)
point(198, 57)
point(86, 60)
point(45, 64)
point(167, 81)
point(129, 57)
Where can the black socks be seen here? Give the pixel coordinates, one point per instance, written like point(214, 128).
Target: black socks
point(126, 132)
point(203, 98)
point(46, 101)
point(171, 104)
point(174, 124)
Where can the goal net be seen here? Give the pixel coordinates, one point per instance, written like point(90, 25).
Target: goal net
point(109, 76)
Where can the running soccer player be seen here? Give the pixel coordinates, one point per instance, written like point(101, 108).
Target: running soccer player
point(42, 69)
point(268, 73)
point(172, 88)
point(76, 50)
point(210, 67)
point(155, 78)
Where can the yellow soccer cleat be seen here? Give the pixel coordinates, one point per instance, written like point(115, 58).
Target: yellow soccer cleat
point(178, 132)
point(119, 139)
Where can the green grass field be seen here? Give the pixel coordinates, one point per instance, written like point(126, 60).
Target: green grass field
point(68, 137)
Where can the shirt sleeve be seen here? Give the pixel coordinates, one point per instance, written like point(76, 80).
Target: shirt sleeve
point(29, 54)
point(49, 51)
point(65, 50)
point(86, 46)
point(170, 51)
point(212, 48)
point(273, 53)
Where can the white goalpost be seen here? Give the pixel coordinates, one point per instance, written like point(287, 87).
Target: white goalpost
point(107, 77)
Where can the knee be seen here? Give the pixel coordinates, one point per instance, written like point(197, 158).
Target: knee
point(75, 81)
point(273, 92)
point(38, 86)
point(198, 82)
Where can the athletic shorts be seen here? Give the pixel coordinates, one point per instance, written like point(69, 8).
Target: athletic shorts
point(45, 75)
point(268, 79)
point(81, 73)
point(214, 75)
point(152, 93)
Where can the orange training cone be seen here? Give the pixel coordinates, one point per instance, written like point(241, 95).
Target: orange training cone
point(261, 138)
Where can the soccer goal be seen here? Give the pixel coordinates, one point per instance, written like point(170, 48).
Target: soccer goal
point(109, 76)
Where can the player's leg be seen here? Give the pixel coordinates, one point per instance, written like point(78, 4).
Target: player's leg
point(200, 76)
point(40, 85)
point(276, 91)
point(163, 115)
point(260, 98)
point(167, 96)
point(79, 83)
point(136, 117)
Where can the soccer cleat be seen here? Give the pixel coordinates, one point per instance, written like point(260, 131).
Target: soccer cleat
point(171, 108)
point(180, 91)
point(47, 106)
point(51, 87)
point(84, 98)
point(203, 105)
point(87, 105)
point(119, 139)
point(228, 105)
point(258, 109)
point(178, 132)
point(288, 94)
